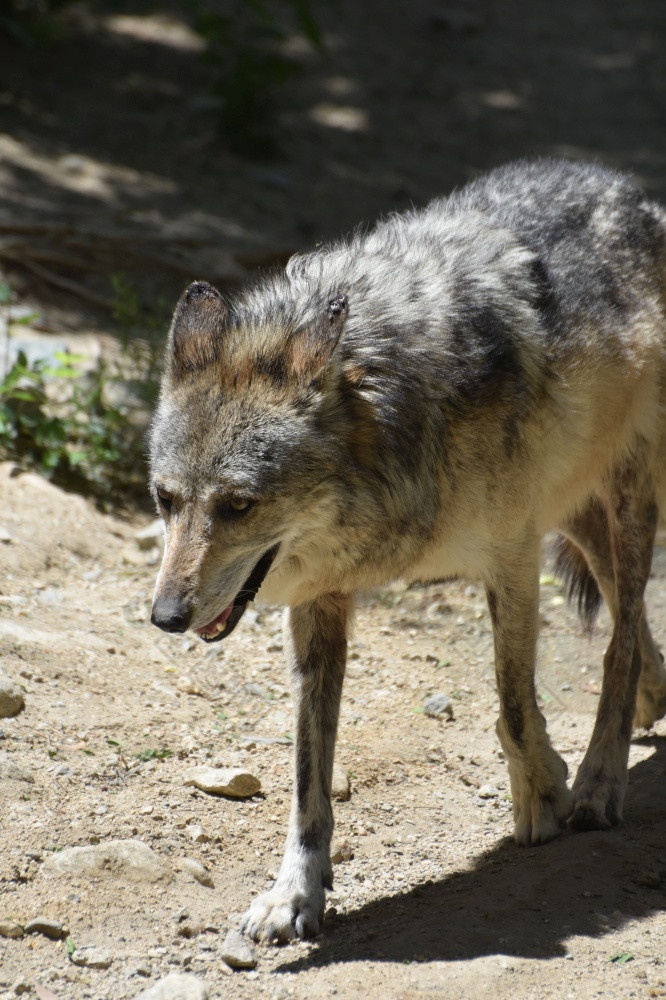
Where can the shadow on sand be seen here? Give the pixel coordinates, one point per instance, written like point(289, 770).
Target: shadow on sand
point(521, 902)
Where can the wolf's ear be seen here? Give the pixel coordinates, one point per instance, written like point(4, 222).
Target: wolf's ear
point(310, 348)
point(199, 323)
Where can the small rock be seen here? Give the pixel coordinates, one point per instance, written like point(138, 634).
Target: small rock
point(142, 969)
point(10, 929)
point(5, 537)
point(11, 697)
point(188, 929)
point(238, 952)
point(342, 852)
point(234, 783)
point(198, 834)
point(488, 792)
point(177, 986)
point(340, 788)
point(49, 928)
point(131, 860)
point(197, 870)
point(188, 686)
point(254, 689)
point(651, 880)
point(91, 957)
point(21, 986)
point(150, 536)
point(437, 706)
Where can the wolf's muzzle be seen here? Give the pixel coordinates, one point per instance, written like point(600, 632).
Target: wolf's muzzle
point(171, 614)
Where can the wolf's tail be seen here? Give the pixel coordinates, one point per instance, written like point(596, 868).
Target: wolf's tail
point(581, 587)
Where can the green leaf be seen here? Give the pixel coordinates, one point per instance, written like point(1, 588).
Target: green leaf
point(25, 320)
point(71, 947)
point(621, 957)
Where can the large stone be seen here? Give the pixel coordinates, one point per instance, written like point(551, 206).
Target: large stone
point(10, 929)
point(45, 925)
point(176, 987)
point(11, 697)
point(232, 782)
point(131, 860)
point(10, 769)
point(91, 957)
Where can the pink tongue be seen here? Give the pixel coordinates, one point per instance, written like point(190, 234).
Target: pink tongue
point(217, 621)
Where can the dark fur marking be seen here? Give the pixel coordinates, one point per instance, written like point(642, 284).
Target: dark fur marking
point(512, 711)
point(487, 362)
point(303, 762)
point(311, 837)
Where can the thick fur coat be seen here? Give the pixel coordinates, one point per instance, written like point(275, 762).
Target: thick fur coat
point(425, 400)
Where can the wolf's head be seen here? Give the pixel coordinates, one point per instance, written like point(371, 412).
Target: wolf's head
point(239, 466)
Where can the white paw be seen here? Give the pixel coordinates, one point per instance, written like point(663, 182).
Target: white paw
point(541, 816)
point(597, 802)
point(284, 913)
point(541, 803)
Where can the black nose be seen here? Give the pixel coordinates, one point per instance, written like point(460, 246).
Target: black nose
point(171, 614)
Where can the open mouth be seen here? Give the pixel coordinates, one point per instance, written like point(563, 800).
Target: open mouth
point(228, 619)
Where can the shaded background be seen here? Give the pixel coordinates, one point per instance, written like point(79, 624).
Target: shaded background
point(143, 145)
point(115, 112)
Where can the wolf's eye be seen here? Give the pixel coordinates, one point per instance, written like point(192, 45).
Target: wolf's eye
point(164, 499)
point(233, 507)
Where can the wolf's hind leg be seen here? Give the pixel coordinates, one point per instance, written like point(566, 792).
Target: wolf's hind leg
point(541, 799)
point(651, 694)
point(590, 531)
point(631, 517)
point(316, 645)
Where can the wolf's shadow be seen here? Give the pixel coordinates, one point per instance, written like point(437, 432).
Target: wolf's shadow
point(521, 902)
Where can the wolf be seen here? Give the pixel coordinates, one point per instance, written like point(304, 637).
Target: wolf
point(420, 401)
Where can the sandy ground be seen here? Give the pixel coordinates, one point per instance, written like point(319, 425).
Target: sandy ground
point(436, 900)
point(112, 165)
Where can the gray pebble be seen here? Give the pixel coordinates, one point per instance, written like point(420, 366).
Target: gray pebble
point(488, 792)
point(238, 952)
point(437, 706)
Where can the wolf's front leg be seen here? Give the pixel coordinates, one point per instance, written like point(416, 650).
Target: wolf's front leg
point(541, 799)
point(316, 636)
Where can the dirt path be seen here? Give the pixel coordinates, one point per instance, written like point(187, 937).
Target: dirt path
point(113, 129)
point(436, 900)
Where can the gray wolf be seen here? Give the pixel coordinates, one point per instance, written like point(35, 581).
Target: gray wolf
point(426, 400)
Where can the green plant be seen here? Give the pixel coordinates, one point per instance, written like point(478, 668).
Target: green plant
point(244, 46)
point(32, 22)
point(146, 755)
point(55, 418)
